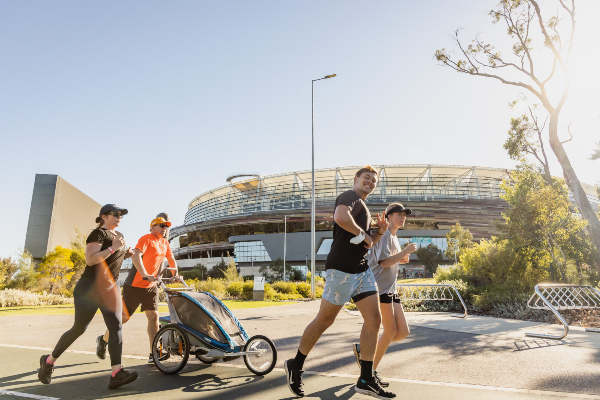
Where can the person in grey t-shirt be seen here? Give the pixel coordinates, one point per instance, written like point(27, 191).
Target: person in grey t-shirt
point(384, 259)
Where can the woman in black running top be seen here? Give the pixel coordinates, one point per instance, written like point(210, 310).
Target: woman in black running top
point(98, 289)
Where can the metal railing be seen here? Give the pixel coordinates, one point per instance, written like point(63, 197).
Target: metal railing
point(430, 292)
point(555, 297)
point(289, 194)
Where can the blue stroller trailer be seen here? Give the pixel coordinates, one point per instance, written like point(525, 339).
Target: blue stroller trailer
point(200, 324)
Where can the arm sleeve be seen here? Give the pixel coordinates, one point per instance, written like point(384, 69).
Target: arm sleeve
point(169, 252)
point(385, 250)
point(142, 244)
point(346, 199)
point(97, 236)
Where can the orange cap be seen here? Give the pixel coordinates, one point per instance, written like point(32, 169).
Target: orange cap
point(160, 220)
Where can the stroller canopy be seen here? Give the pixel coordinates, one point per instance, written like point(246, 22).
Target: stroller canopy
point(189, 307)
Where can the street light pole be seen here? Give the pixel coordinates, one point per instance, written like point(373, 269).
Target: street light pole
point(284, 243)
point(312, 211)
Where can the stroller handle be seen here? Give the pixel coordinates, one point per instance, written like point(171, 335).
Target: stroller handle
point(161, 281)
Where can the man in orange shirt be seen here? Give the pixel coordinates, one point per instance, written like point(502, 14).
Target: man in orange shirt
point(140, 286)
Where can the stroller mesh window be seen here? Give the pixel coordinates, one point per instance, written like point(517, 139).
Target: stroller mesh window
point(221, 314)
point(195, 317)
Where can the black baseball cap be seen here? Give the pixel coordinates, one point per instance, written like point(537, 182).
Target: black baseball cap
point(398, 208)
point(107, 208)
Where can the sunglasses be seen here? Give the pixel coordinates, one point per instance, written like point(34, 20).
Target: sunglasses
point(162, 225)
point(116, 214)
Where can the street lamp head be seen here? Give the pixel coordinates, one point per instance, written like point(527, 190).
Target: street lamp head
point(330, 76)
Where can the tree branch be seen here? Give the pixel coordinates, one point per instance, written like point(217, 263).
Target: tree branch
point(551, 73)
point(520, 84)
point(550, 44)
point(523, 42)
point(569, 130)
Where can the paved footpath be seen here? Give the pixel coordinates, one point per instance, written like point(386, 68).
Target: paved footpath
point(443, 358)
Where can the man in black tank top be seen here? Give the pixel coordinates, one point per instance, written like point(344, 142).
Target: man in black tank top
point(348, 277)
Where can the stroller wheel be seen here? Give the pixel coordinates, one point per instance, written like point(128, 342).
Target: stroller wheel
point(206, 360)
point(171, 349)
point(265, 358)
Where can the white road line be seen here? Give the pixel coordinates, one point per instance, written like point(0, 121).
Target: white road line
point(334, 375)
point(67, 351)
point(30, 396)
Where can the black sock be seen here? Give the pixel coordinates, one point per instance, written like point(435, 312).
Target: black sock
point(299, 360)
point(366, 370)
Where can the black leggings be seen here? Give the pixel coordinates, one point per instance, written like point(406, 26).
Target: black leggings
point(87, 302)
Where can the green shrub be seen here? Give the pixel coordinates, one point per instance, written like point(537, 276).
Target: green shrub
point(216, 287)
point(270, 293)
point(350, 305)
point(493, 296)
point(318, 292)
point(235, 289)
point(296, 290)
point(282, 296)
point(285, 287)
point(303, 288)
point(450, 273)
point(317, 279)
point(248, 289)
point(231, 273)
point(22, 298)
point(496, 262)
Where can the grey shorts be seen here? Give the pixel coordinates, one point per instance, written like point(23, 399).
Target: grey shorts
point(340, 286)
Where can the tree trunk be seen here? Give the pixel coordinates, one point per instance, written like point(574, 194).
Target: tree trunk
point(578, 265)
point(585, 208)
point(547, 174)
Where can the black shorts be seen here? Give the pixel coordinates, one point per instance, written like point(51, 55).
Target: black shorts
point(134, 296)
point(388, 298)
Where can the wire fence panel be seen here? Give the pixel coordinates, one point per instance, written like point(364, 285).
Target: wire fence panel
point(443, 292)
point(555, 297)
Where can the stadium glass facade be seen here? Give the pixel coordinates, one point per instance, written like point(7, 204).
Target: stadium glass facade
point(247, 218)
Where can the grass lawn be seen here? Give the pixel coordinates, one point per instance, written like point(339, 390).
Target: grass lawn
point(70, 309)
point(422, 281)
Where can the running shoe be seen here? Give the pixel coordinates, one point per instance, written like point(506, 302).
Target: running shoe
point(45, 373)
point(163, 358)
point(373, 389)
point(294, 378)
point(123, 377)
point(380, 380)
point(101, 347)
point(356, 349)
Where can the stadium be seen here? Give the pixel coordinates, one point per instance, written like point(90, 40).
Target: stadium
point(257, 219)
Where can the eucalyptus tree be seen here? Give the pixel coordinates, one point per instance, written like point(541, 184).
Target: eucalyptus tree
point(528, 70)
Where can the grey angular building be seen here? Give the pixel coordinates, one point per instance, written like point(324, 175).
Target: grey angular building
point(58, 210)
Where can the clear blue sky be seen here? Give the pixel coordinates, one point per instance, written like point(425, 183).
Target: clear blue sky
point(147, 104)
